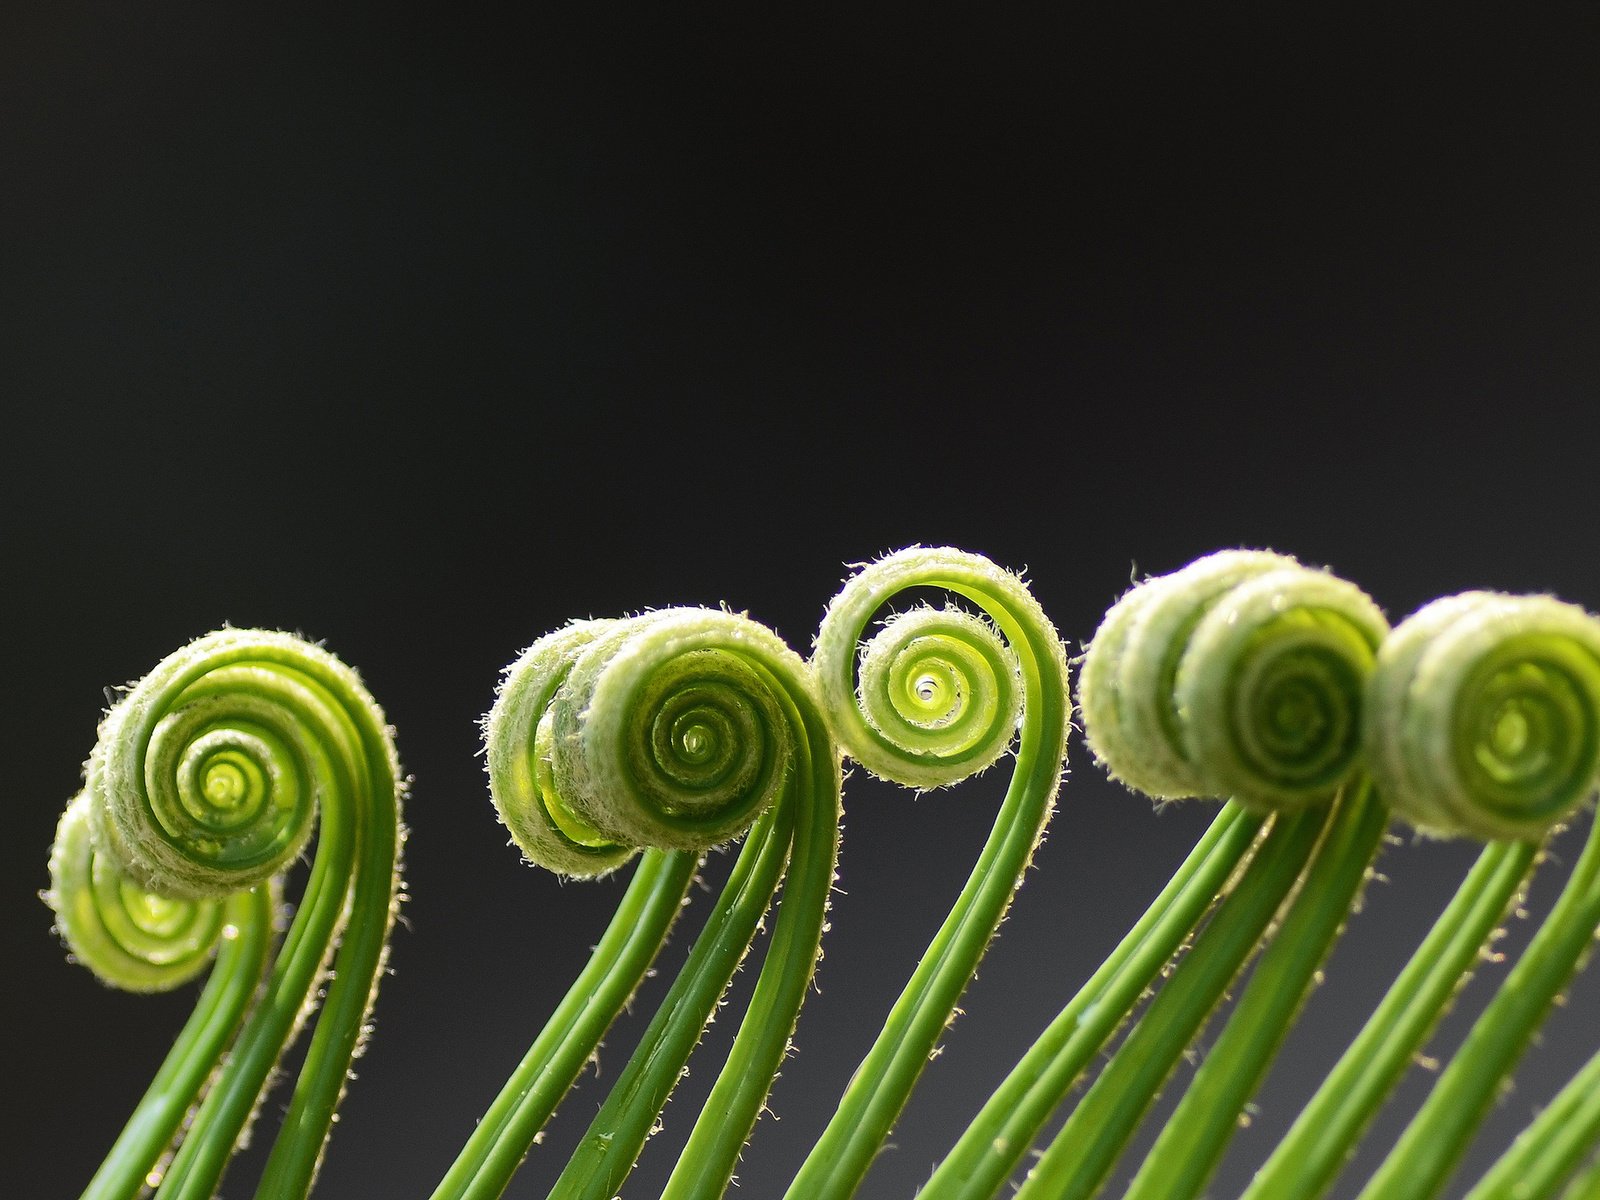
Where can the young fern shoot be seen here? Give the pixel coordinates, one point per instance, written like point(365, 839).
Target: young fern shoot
point(1239, 675)
point(677, 730)
point(941, 695)
point(141, 941)
point(206, 781)
point(1491, 727)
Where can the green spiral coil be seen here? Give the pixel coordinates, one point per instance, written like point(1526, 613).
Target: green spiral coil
point(128, 936)
point(1484, 715)
point(663, 730)
point(1242, 675)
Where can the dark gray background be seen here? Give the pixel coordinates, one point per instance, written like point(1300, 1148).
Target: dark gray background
point(423, 331)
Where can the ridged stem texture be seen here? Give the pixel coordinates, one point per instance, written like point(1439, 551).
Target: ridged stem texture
point(1308, 1158)
point(932, 698)
point(207, 778)
point(1087, 1147)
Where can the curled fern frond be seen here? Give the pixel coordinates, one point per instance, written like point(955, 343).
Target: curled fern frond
point(206, 781)
point(128, 936)
point(933, 698)
point(1484, 716)
point(1241, 675)
point(673, 732)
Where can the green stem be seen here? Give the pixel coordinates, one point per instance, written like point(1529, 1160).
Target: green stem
point(155, 1124)
point(711, 1154)
point(1552, 1146)
point(1322, 1138)
point(618, 1132)
point(992, 1146)
point(1427, 1153)
point(352, 887)
point(1192, 1143)
point(631, 942)
point(883, 1082)
point(1586, 1186)
point(1088, 1145)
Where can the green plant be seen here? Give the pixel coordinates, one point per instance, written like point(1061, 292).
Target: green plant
point(661, 736)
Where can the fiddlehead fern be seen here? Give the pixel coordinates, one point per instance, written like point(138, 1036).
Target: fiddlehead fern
point(205, 780)
point(141, 941)
point(937, 700)
point(676, 730)
point(130, 937)
point(1241, 674)
point(1491, 724)
point(1484, 720)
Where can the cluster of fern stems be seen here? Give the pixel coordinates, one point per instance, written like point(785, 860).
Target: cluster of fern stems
point(1278, 689)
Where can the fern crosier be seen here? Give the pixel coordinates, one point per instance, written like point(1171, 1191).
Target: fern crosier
point(933, 698)
point(206, 781)
point(673, 731)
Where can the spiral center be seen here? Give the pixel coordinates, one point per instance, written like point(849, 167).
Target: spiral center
point(225, 785)
point(1510, 734)
point(697, 743)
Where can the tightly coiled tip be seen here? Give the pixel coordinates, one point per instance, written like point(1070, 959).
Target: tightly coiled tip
point(207, 774)
point(1484, 715)
point(1241, 675)
point(673, 729)
point(937, 695)
point(127, 936)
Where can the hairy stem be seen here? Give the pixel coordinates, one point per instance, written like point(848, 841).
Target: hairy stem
point(619, 962)
point(1192, 1143)
point(1088, 1145)
point(1306, 1161)
point(992, 1146)
point(133, 1163)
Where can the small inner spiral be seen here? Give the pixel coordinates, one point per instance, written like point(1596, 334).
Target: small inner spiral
point(1297, 704)
point(1530, 736)
point(151, 928)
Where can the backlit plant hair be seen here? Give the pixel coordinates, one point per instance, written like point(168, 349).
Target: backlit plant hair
point(675, 730)
point(933, 698)
point(206, 781)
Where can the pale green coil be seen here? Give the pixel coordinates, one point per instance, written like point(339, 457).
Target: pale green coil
point(1484, 715)
point(207, 774)
point(129, 937)
point(936, 695)
point(1242, 675)
point(674, 729)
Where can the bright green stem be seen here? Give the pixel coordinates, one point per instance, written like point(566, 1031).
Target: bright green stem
point(352, 887)
point(1309, 1157)
point(882, 1084)
point(1586, 1186)
point(617, 1134)
point(1088, 1145)
point(235, 977)
point(631, 942)
point(992, 1146)
point(1195, 1136)
point(1427, 1153)
point(707, 1163)
point(1552, 1146)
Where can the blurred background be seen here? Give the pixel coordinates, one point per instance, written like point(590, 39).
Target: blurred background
point(421, 331)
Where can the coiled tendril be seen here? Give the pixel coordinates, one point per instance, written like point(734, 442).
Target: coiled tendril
point(1484, 716)
point(612, 735)
point(1240, 675)
point(205, 782)
point(130, 937)
point(941, 696)
point(675, 730)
